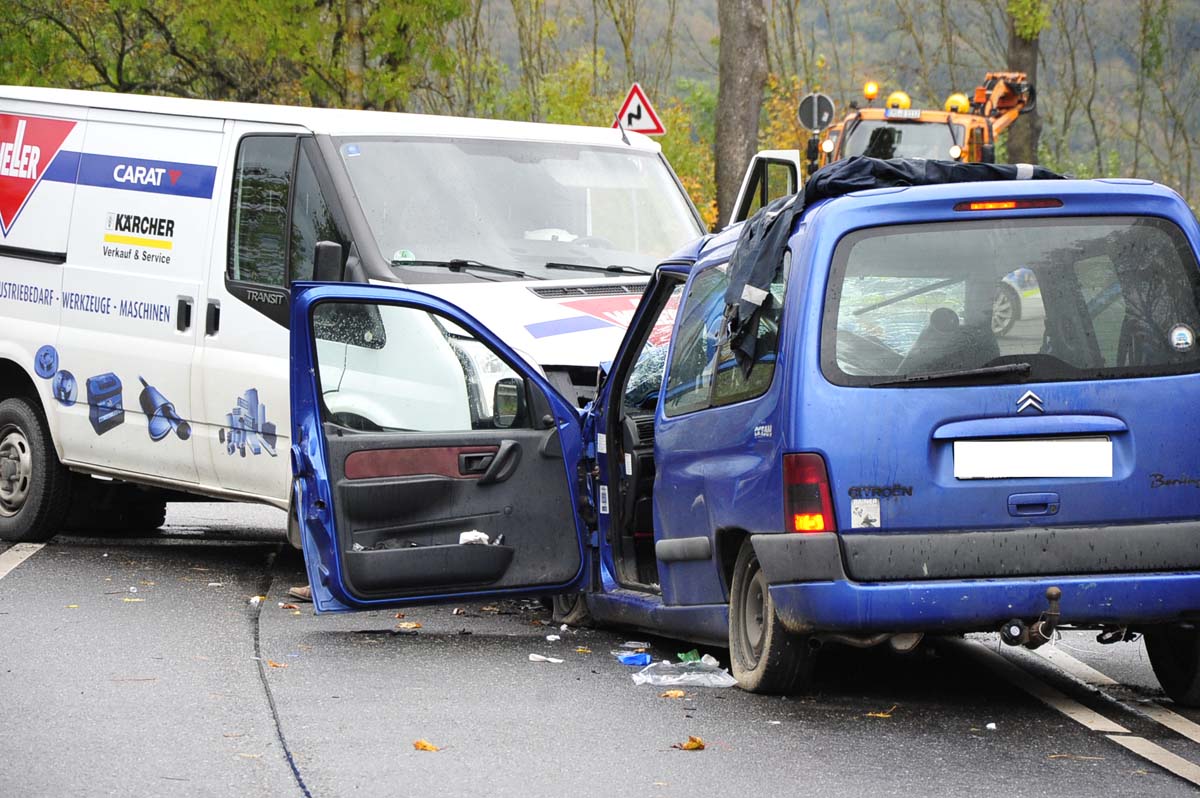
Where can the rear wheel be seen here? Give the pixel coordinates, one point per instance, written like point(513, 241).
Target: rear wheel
point(765, 657)
point(571, 609)
point(34, 485)
point(1006, 309)
point(1175, 656)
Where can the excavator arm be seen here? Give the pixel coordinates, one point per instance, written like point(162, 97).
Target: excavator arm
point(1003, 97)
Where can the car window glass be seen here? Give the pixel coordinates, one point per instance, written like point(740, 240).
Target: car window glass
point(645, 377)
point(404, 369)
point(311, 221)
point(733, 383)
point(258, 240)
point(689, 377)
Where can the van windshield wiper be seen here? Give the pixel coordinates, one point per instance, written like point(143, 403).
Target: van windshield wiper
point(583, 267)
point(958, 374)
point(462, 265)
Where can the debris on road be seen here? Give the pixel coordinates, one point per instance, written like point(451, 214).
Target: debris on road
point(1080, 757)
point(540, 658)
point(425, 745)
point(275, 664)
point(458, 611)
point(692, 744)
point(256, 600)
point(582, 650)
point(689, 656)
point(632, 657)
point(72, 606)
point(132, 600)
point(216, 584)
point(685, 674)
point(672, 694)
point(887, 713)
point(286, 606)
point(553, 638)
point(408, 625)
point(636, 645)
point(990, 727)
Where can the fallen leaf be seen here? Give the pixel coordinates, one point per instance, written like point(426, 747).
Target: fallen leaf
point(887, 713)
point(583, 650)
point(692, 744)
point(72, 606)
point(489, 608)
point(672, 694)
point(288, 607)
point(295, 612)
point(425, 745)
point(132, 600)
point(408, 625)
point(275, 664)
point(399, 615)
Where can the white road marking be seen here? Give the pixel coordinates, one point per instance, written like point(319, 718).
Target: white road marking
point(1043, 692)
point(1159, 756)
point(1089, 675)
point(19, 553)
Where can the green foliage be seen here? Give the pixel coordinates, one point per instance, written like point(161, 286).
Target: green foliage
point(1030, 17)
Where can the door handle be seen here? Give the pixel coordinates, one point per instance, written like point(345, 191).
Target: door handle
point(183, 315)
point(212, 318)
point(475, 462)
point(503, 465)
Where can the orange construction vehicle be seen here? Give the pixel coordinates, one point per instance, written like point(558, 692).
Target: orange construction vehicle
point(965, 130)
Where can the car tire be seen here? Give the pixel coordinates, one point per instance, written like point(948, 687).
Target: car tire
point(571, 609)
point(1175, 657)
point(1006, 310)
point(763, 655)
point(35, 487)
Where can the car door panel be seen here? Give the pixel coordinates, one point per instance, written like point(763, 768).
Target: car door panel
point(383, 505)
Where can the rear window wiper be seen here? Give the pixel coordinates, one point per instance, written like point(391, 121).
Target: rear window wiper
point(462, 265)
point(583, 267)
point(958, 374)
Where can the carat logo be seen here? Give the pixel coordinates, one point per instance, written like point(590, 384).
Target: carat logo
point(27, 146)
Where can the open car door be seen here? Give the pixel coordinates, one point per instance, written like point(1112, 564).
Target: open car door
point(429, 461)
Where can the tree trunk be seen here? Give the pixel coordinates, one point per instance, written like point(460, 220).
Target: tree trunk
point(1024, 133)
point(355, 55)
point(742, 76)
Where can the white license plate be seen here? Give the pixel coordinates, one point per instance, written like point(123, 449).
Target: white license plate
point(1016, 458)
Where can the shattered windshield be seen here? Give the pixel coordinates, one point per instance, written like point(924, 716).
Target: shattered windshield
point(518, 204)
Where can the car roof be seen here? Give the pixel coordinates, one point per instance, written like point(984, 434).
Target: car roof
point(336, 122)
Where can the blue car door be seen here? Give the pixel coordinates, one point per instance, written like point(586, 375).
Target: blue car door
point(429, 461)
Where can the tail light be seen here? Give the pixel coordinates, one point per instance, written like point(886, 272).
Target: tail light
point(807, 502)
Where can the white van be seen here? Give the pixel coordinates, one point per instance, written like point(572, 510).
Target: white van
point(147, 246)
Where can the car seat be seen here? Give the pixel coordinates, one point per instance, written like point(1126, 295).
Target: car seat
point(948, 345)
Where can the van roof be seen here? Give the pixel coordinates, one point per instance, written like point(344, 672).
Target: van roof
point(333, 121)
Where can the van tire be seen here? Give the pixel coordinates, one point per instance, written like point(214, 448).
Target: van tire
point(763, 655)
point(571, 609)
point(1175, 657)
point(35, 488)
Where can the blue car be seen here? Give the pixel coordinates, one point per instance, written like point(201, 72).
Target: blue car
point(883, 466)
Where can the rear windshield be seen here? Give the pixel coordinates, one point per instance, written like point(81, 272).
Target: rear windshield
point(1025, 300)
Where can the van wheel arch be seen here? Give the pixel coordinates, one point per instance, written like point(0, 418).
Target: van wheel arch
point(17, 382)
point(729, 543)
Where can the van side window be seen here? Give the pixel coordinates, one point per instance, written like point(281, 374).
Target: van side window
point(694, 357)
point(731, 384)
point(259, 215)
point(311, 221)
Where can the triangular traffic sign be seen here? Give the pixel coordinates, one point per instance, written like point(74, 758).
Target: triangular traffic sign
point(638, 115)
point(27, 146)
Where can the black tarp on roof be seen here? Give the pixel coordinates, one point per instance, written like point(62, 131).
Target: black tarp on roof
point(763, 240)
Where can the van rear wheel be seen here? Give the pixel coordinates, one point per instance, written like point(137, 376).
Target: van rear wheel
point(764, 656)
point(34, 485)
point(1175, 657)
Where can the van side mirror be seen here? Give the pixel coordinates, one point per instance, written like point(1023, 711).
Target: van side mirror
point(987, 153)
point(508, 402)
point(327, 262)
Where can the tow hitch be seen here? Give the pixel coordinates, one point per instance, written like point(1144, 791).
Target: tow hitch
point(1016, 633)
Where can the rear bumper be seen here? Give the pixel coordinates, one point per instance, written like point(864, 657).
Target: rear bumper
point(959, 582)
point(984, 604)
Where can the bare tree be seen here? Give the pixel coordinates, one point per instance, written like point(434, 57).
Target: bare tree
point(742, 78)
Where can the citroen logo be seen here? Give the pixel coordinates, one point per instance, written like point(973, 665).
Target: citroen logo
point(1029, 399)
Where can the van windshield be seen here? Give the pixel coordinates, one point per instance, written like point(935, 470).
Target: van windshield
point(1052, 299)
point(518, 204)
point(878, 138)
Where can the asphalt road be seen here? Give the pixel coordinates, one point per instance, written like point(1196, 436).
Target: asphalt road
point(144, 667)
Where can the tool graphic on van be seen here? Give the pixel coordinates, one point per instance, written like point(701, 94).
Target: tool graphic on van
point(45, 362)
point(248, 427)
point(161, 417)
point(105, 407)
point(65, 388)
